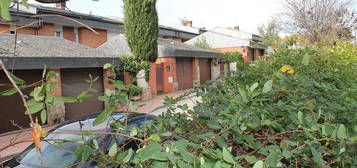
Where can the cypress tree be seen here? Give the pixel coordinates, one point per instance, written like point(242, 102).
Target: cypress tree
point(141, 28)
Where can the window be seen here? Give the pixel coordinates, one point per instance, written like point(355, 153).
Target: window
point(58, 34)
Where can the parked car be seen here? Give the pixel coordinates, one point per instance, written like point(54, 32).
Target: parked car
point(58, 150)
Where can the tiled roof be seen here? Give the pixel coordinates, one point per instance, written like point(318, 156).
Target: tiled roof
point(46, 47)
point(226, 38)
point(167, 48)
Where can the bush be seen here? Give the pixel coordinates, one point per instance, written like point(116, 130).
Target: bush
point(296, 109)
point(134, 90)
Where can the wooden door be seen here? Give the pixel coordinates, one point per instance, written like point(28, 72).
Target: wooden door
point(205, 70)
point(73, 83)
point(184, 73)
point(159, 77)
point(11, 107)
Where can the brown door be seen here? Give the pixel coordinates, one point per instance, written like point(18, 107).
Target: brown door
point(159, 77)
point(184, 73)
point(73, 83)
point(205, 70)
point(251, 54)
point(11, 107)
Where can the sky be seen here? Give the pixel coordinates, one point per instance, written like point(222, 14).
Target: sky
point(247, 14)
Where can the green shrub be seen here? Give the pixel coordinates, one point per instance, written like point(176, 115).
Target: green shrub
point(134, 90)
point(302, 115)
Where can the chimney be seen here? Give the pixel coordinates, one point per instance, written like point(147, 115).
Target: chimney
point(187, 23)
point(236, 28)
point(61, 5)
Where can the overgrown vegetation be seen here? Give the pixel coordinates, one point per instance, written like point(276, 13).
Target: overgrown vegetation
point(296, 109)
point(142, 28)
point(133, 66)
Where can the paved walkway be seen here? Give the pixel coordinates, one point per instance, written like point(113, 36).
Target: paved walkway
point(153, 106)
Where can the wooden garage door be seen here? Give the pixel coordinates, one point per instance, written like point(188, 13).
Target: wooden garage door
point(205, 70)
point(73, 83)
point(11, 107)
point(184, 73)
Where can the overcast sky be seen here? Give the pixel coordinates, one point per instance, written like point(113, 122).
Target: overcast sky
point(247, 14)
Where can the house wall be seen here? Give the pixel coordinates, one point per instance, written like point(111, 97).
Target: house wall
point(90, 39)
point(196, 71)
point(68, 33)
point(46, 30)
point(56, 113)
point(27, 30)
point(168, 86)
point(4, 28)
point(215, 69)
point(243, 50)
point(152, 79)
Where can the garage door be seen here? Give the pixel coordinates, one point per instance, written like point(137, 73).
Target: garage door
point(11, 107)
point(205, 70)
point(184, 73)
point(73, 83)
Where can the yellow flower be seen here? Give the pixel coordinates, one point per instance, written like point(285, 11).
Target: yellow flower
point(287, 69)
point(37, 133)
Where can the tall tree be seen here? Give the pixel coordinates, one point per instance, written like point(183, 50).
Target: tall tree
point(321, 19)
point(270, 32)
point(141, 28)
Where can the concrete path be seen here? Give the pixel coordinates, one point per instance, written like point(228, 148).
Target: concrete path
point(153, 106)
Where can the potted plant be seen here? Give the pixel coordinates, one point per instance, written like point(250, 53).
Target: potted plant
point(134, 92)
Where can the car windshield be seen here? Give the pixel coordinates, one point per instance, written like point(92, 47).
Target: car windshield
point(56, 151)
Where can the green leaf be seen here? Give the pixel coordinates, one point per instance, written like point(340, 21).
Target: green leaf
point(107, 65)
point(272, 159)
point(154, 138)
point(259, 164)
point(4, 9)
point(301, 117)
point(104, 115)
point(95, 143)
point(113, 150)
point(306, 59)
point(17, 79)
point(160, 156)
point(243, 95)
point(8, 92)
point(268, 86)
point(108, 92)
point(342, 132)
point(146, 153)
point(227, 156)
point(128, 156)
point(287, 154)
point(316, 156)
point(35, 108)
point(43, 116)
point(84, 95)
point(250, 159)
point(87, 151)
point(134, 132)
point(60, 99)
point(39, 93)
point(253, 87)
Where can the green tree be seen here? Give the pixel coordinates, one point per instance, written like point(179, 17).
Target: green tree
point(270, 32)
point(202, 43)
point(141, 28)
